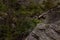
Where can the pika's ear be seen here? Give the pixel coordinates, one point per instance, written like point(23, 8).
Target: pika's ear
point(42, 16)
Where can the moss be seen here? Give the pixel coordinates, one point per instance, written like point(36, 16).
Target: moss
point(3, 7)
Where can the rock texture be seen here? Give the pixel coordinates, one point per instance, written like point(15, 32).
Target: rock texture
point(50, 29)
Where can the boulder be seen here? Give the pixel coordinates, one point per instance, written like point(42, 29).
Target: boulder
point(50, 29)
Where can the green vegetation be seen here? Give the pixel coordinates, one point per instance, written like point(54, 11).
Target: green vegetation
point(15, 19)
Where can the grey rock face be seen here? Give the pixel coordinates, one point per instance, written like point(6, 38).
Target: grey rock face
point(50, 30)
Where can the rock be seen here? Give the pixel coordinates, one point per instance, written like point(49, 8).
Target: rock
point(50, 29)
